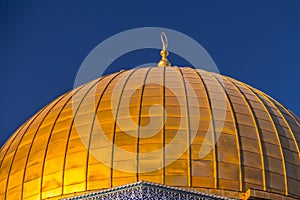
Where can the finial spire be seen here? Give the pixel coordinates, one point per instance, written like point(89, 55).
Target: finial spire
point(164, 53)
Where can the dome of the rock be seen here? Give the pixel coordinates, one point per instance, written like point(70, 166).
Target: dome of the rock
point(74, 144)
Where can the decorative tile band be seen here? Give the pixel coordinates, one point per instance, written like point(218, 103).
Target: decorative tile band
point(146, 191)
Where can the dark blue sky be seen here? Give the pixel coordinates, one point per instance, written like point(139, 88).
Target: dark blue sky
point(43, 43)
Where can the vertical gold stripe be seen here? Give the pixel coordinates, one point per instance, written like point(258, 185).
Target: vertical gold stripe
point(256, 130)
point(189, 128)
point(286, 122)
point(94, 118)
point(30, 121)
point(215, 149)
point(70, 131)
point(238, 142)
point(15, 152)
point(277, 135)
point(18, 131)
point(50, 134)
point(164, 126)
point(12, 139)
point(139, 124)
point(33, 139)
point(115, 124)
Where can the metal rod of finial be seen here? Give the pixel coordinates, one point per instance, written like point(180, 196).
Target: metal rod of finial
point(164, 53)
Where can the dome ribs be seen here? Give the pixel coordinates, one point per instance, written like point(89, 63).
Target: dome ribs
point(149, 111)
point(283, 115)
point(238, 142)
point(139, 124)
point(283, 139)
point(256, 130)
point(189, 127)
point(277, 136)
point(93, 122)
point(212, 123)
point(129, 74)
point(233, 117)
point(7, 145)
point(86, 89)
point(71, 93)
point(13, 139)
point(164, 126)
point(177, 172)
point(49, 107)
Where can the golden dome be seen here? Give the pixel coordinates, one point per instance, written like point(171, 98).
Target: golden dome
point(257, 146)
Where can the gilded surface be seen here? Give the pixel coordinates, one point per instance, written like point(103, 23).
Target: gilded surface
point(258, 146)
